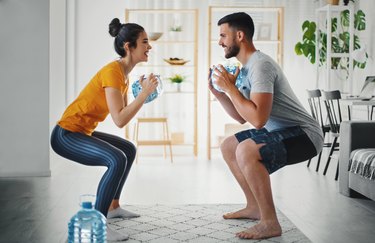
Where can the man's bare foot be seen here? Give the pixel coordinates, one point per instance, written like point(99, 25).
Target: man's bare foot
point(246, 213)
point(262, 230)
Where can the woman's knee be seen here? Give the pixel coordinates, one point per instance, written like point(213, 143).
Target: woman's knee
point(118, 162)
point(133, 150)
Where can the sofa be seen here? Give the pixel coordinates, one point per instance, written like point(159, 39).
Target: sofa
point(357, 159)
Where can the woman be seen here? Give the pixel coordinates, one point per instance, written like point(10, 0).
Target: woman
point(74, 137)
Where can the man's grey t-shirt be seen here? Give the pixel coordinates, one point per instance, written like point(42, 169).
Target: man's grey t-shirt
point(262, 74)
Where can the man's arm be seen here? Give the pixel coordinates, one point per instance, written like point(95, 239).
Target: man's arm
point(256, 111)
point(228, 106)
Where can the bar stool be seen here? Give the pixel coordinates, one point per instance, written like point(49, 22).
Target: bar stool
point(165, 140)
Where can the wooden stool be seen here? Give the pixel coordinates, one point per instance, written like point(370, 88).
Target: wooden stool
point(164, 141)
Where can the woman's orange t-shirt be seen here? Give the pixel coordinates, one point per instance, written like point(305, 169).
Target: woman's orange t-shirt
point(90, 107)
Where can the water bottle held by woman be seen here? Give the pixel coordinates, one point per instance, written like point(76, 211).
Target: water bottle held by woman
point(137, 88)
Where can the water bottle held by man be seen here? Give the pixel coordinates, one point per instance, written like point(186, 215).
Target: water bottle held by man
point(231, 69)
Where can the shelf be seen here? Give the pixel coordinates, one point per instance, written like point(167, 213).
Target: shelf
point(256, 41)
point(178, 92)
point(165, 66)
point(340, 54)
point(171, 44)
point(325, 77)
point(245, 9)
point(333, 8)
point(158, 11)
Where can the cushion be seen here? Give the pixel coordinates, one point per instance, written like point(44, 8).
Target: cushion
point(362, 162)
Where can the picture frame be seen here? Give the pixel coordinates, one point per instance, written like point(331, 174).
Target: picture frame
point(264, 31)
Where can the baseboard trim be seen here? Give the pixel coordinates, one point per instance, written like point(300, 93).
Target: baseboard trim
point(26, 174)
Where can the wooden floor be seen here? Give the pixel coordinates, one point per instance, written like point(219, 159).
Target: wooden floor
point(38, 209)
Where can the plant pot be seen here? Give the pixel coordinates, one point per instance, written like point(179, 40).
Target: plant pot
point(175, 35)
point(178, 85)
point(333, 2)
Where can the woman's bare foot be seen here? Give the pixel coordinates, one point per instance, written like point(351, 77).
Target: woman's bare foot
point(262, 230)
point(246, 213)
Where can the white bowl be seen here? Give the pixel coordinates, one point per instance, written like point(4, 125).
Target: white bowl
point(153, 36)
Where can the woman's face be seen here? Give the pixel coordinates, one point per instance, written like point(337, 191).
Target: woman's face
point(140, 53)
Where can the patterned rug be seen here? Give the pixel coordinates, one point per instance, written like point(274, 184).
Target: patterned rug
point(194, 223)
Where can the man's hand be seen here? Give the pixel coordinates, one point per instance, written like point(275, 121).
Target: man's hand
point(215, 92)
point(224, 79)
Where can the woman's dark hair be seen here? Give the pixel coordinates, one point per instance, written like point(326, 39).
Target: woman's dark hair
point(240, 21)
point(128, 32)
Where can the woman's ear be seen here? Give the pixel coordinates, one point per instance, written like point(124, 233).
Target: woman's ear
point(126, 46)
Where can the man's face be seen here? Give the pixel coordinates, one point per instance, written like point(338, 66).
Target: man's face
point(228, 41)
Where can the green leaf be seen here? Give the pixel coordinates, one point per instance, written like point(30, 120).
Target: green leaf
point(344, 16)
point(335, 45)
point(357, 44)
point(333, 25)
point(360, 20)
point(345, 37)
point(297, 48)
point(305, 25)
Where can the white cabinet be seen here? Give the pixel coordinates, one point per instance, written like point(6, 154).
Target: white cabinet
point(329, 28)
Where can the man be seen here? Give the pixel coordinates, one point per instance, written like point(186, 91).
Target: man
point(284, 132)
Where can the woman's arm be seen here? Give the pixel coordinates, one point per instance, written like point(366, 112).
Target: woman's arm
point(121, 112)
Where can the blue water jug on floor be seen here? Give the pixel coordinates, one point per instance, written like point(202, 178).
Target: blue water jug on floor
point(137, 88)
point(87, 225)
point(231, 69)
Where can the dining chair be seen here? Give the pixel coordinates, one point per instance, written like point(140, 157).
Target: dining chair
point(332, 104)
point(314, 100)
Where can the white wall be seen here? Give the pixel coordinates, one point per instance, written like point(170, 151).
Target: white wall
point(89, 46)
point(24, 94)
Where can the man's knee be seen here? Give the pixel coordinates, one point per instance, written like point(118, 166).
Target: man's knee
point(247, 153)
point(229, 145)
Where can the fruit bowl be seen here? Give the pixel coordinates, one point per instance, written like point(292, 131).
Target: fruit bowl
point(153, 36)
point(176, 61)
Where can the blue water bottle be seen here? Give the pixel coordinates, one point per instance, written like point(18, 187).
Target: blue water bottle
point(87, 225)
point(232, 70)
point(137, 88)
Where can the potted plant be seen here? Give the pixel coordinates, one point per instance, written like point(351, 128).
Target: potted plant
point(339, 41)
point(175, 28)
point(177, 79)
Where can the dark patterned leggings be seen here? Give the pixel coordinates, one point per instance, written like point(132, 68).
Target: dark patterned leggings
point(100, 149)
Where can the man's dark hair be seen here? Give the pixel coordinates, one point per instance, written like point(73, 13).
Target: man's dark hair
point(239, 21)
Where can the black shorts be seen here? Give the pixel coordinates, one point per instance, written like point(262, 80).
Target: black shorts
point(282, 147)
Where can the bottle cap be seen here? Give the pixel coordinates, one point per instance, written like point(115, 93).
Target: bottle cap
point(87, 205)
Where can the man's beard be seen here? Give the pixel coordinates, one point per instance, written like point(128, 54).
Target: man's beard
point(232, 51)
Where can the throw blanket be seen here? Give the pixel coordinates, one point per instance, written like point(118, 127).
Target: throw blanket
point(362, 162)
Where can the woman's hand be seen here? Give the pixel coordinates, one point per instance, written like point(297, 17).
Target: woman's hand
point(148, 85)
